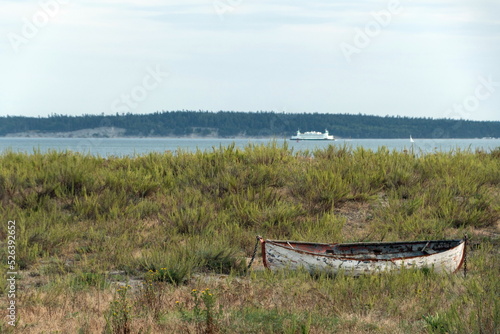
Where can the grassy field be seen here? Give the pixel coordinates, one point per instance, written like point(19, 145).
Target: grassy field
point(159, 243)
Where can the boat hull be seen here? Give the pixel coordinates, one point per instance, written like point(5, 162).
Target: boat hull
point(302, 138)
point(443, 256)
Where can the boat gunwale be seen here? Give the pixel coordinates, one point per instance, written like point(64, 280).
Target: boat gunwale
point(459, 241)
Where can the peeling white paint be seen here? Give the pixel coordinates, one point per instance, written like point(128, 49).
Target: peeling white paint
point(356, 259)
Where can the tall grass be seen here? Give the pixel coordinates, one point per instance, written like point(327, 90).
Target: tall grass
point(181, 215)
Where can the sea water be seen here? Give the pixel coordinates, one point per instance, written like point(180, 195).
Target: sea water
point(106, 147)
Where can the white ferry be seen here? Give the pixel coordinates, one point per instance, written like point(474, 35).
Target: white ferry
point(312, 135)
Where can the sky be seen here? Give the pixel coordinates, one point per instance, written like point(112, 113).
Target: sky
point(438, 58)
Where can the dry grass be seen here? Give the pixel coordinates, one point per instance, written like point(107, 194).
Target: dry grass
point(88, 226)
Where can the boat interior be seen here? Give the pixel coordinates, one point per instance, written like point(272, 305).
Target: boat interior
point(386, 250)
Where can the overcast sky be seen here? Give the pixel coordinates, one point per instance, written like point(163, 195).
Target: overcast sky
point(438, 58)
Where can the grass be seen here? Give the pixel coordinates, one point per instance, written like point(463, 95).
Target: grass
point(178, 222)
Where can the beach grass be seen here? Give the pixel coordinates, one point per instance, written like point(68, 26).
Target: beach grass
point(131, 244)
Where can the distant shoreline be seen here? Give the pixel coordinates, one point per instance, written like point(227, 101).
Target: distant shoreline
point(189, 124)
point(119, 133)
point(113, 132)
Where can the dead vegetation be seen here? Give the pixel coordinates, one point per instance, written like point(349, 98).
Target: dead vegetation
point(132, 244)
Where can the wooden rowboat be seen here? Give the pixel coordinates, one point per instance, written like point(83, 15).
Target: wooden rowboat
point(443, 256)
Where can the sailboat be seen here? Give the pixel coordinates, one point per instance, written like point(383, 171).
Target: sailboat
point(411, 140)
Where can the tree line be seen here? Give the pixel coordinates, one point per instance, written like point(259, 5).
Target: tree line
point(255, 124)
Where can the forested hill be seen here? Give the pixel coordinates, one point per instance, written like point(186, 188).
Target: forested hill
point(254, 124)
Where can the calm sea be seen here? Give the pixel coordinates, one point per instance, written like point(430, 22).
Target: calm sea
point(106, 147)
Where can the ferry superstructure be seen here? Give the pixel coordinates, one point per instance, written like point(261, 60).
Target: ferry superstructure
point(312, 135)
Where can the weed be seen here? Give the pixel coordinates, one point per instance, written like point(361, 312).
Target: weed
point(152, 292)
point(203, 313)
point(118, 317)
point(436, 323)
point(84, 280)
point(219, 259)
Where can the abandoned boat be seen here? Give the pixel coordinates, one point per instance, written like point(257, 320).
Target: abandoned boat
point(363, 258)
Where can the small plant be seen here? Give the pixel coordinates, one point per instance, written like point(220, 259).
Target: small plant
point(203, 312)
point(118, 318)
point(85, 280)
point(436, 323)
point(153, 289)
point(220, 260)
point(174, 276)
